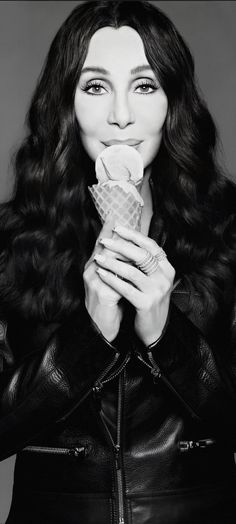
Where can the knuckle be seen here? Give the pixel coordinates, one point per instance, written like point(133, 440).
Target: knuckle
point(171, 271)
point(153, 244)
point(140, 255)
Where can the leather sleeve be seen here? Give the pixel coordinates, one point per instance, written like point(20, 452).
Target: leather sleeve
point(47, 371)
point(200, 368)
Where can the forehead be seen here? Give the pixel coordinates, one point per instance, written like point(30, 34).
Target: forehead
point(110, 47)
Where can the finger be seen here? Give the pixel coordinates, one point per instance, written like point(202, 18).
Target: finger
point(124, 247)
point(128, 291)
point(105, 252)
point(155, 284)
point(112, 254)
point(145, 243)
point(107, 230)
point(124, 270)
point(132, 252)
point(137, 238)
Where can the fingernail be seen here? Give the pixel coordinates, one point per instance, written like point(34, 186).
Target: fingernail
point(106, 241)
point(101, 271)
point(100, 258)
point(117, 229)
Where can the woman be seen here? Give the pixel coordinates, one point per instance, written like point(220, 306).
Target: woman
point(118, 371)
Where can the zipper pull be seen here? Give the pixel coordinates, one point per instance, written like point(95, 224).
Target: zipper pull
point(117, 456)
point(155, 371)
point(187, 445)
point(97, 388)
point(78, 452)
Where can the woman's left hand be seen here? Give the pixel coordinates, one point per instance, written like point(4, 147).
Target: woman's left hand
point(149, 294)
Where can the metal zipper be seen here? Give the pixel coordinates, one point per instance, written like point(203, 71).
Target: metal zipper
point(171, 388)
point(139, 356)
point(157, 374)
point(75, 452)
point(100, 378)
point(118, 454)
point(117, 450)
point(99, 385)
point(119, 370)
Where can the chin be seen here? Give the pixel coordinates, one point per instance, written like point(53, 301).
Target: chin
point(149, 155)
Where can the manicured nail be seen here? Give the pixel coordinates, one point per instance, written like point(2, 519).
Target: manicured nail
point(99, 258)
point(106, 241)
point(101, 271)
point(119, 229)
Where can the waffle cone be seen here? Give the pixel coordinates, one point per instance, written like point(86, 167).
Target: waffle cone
point(116, 202)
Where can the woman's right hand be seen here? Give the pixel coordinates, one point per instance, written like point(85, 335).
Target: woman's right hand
point(101, 301)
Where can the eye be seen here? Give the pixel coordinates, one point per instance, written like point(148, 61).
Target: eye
point(146, 87)
point(94, 87)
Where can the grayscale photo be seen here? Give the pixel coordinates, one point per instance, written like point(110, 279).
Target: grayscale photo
point(118, 262)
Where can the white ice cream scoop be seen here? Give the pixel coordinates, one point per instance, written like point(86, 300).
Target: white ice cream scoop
point(119, 162)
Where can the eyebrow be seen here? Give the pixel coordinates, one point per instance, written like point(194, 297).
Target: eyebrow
point(102, 71)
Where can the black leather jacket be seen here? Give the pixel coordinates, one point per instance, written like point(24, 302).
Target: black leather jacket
point(120, 433)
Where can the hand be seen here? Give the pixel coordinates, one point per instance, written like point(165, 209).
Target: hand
point(150, 295)
point(101, 300)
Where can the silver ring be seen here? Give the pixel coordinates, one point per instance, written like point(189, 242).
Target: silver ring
point(160, 255)
point(148, 264)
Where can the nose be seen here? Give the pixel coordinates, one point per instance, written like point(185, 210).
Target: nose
point(120, 112)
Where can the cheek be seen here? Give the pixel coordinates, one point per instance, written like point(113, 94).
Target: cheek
point(89, 115)
point(153, 116)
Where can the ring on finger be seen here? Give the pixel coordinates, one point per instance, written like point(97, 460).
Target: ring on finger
point(160, 254)
point(148, 264)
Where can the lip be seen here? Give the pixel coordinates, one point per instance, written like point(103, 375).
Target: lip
point(128, 142)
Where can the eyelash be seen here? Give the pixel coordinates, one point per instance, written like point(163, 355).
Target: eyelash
point(98, 83)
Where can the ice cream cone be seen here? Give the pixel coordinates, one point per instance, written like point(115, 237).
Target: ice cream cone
point(119, 201)
point(119, 170)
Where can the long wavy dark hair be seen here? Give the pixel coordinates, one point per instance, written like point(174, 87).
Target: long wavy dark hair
point(49, 226)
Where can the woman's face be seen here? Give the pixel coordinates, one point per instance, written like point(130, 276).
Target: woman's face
point(118, 98)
